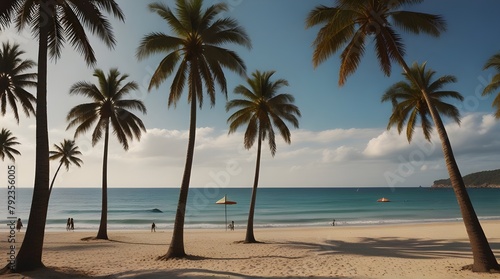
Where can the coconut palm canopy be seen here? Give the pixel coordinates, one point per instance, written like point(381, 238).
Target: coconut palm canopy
point(409, 105)
point(66, 152)
point(7, 143)
point(350, 25)
point(14, 80)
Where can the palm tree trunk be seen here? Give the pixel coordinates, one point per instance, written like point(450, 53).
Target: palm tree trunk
point(249, 238)
point(176, 248)
point(483, 258)
point(54, 178)
point(103, 226)
point(30, 253)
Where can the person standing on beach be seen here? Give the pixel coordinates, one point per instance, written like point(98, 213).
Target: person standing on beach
point(71, 224)
point(153, 227)
point(68, 224)
point(19, 224)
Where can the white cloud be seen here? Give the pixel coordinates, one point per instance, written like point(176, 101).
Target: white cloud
point(340, 154)
point(386, 144)
point(352, 157)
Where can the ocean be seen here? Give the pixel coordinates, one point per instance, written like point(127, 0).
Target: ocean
point(137, 208)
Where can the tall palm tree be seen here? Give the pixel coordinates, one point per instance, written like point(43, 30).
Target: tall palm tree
point(494, 62)
point(107, 107)
point(53, 23)
point(7, 141)
point(196, 47)
point(67, 152)
point(14, 79)
point(262, 109)
point(350, 23)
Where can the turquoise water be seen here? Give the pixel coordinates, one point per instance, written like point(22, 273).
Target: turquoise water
point(137, 208)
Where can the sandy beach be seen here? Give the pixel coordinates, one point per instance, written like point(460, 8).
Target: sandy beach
point(433, 251)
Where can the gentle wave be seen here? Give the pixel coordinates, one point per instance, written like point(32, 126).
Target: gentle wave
point(134, 224)
point(93, 211)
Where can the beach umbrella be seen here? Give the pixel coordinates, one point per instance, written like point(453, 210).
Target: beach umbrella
point(225, 202)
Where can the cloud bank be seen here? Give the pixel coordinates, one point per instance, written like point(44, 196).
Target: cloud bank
point(329, 158)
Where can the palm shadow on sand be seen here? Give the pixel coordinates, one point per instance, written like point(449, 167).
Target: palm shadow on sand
point(197, 273)
point(53, 273)
point(408, 248)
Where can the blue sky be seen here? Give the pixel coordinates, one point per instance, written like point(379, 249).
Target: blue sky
point(342, 140)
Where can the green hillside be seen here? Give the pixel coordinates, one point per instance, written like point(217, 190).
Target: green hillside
point(486, 179)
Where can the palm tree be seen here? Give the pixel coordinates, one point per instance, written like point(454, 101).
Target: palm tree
point(196, 49)
point(494, 62)
point(262, 109)
point(53, 23)
point(350, 24)
point(107, 107)
point(6, 143)
point(67, 152)
point(13, 80)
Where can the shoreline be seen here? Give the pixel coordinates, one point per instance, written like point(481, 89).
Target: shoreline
point(435, 251)
point(338, 223)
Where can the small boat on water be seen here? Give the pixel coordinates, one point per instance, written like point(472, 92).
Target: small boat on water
point(383, 200)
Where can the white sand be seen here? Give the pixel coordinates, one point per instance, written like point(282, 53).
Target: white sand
point(433, 251)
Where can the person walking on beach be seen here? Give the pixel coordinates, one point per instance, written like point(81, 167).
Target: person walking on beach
point(333, 223)
point(153, 227)
point(19, 224)
point(68, 224)
point(71, 224)
point(231, 226)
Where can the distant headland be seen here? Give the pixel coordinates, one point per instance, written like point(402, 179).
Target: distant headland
point(482, 179)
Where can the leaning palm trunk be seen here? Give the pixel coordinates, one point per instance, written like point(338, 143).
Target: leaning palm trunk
point(176, 248)
point(30, 253)
point(249, 238)
point(483, 258)
point(54, 178)
point(103, 225)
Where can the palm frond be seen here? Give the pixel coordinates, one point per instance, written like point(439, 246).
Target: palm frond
point(178, 84)
point(493, 62)
point(492, 86)
point(157, 43)
point(351, 56)
point(417, 23)
point(320, 14)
